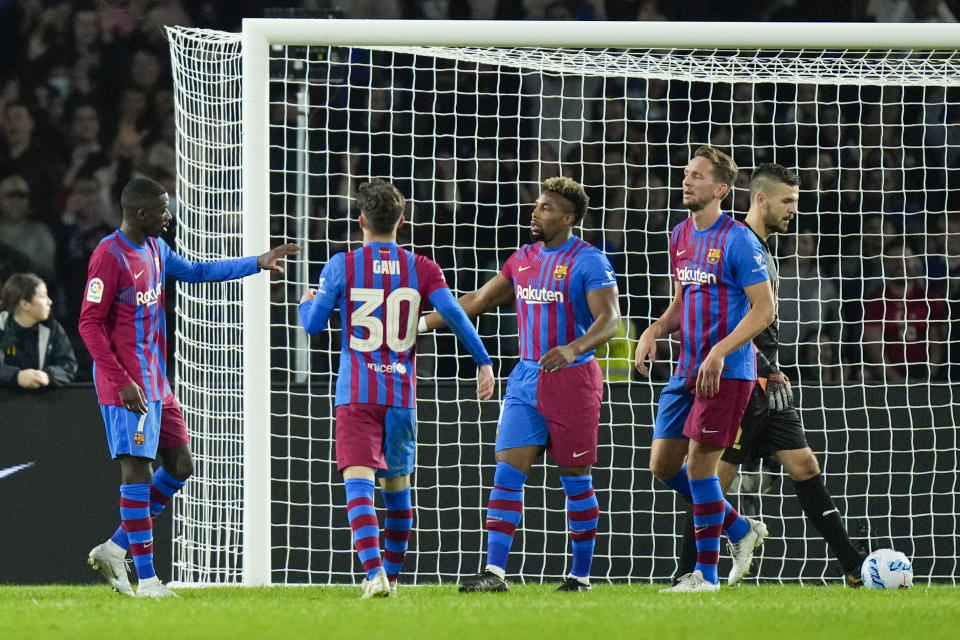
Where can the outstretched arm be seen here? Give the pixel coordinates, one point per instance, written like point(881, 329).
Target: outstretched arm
point(496, 292)
point(606, 319)
point(455, 318)
point(218, 270)
point(273, 259)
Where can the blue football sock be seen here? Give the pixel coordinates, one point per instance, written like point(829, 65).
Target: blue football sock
point(135, 515)
point(363, 522)
point(396, 530)
point(163, 487)
point(734, 526)
point(583, 514)
point(120, 539)
point(504, 511)
point(708, 510)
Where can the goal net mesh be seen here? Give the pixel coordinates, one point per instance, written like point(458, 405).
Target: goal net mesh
point(867, 272)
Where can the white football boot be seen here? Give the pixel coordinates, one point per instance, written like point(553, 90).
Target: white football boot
point(742, 552)
point(379, 587)
point(153, 588)
point(111, 561)
point(691, 583)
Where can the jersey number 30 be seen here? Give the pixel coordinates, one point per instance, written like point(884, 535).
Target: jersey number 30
point(371, 300)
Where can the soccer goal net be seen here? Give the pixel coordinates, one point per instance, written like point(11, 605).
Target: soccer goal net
point(277, 127)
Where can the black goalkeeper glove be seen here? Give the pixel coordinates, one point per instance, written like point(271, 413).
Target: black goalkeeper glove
point(779, 392)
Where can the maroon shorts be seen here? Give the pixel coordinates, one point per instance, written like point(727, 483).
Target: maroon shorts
point(569, 400)
point(173, 429)
point(377, 437)
point(716, 420)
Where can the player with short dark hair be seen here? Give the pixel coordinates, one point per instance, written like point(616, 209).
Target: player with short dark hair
point(771, 424)
point(723, 300)
point(566, 299)
point(123, 324)
point(381, 289)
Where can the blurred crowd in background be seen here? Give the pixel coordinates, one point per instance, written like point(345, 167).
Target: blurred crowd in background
point(86, 103)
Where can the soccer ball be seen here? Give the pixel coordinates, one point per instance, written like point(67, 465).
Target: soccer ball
point(887, 569)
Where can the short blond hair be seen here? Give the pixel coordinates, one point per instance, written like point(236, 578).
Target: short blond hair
point(572, 191)
point(724, 168)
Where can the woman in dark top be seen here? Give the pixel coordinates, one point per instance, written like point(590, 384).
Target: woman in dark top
point(35, 352)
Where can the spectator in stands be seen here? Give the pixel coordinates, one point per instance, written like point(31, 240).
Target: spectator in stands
point(34, 350)
point(86, 153)
point(905, 329)
point(145, 71)
point(819, 363)
point(18, 231)
point(22, 154)
point(909, 11)
point(83, 223)
point(808, 301)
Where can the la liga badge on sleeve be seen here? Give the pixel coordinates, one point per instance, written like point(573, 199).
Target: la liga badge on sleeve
point(95, 290)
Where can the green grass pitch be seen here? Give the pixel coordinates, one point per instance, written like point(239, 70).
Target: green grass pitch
point(439, 612)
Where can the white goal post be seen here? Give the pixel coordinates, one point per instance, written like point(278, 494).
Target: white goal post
point(276, 126)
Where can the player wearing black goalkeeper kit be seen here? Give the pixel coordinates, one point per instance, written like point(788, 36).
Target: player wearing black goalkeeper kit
point(771, 423)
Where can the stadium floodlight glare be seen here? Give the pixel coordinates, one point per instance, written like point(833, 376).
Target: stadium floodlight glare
point(276, 127)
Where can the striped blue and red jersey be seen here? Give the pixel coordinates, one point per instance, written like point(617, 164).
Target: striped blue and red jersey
point(123, 317)
point(713, 267)
point(550, 288)
point(380, 289)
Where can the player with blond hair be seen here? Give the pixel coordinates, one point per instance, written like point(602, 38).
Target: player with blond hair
point(723, 300)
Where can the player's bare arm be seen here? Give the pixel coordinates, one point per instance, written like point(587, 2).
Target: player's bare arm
point(759, 317)
point(485, 382)
point(664, 326)
point(133, 398)
point(605, 309)
point(495, 293)
point(273, 259)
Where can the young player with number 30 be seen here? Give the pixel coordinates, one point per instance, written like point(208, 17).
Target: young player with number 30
point(380, 290)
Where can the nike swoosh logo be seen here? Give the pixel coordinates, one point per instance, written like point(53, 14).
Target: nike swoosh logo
point(148, 543)
point(522, 268)
point(9, 471)
point(582, 453)
point(137, 275)
point(700, 529)
point(711, 431)
point(680, 253)
point(826, 513)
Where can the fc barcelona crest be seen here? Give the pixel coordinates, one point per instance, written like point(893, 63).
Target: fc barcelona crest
point(138, 439)
point(560, 272)
point(713, 256)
